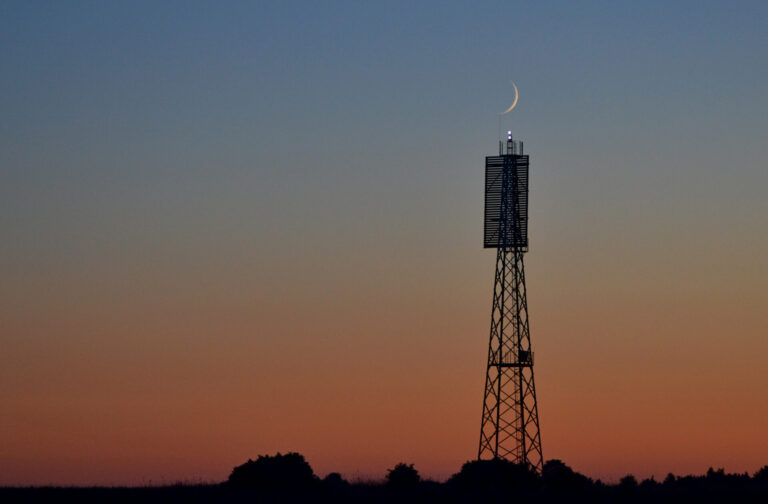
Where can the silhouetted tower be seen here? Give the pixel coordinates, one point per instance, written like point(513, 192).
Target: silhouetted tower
point(510, 426)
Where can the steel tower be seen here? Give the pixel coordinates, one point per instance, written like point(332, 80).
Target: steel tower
point(510, 424)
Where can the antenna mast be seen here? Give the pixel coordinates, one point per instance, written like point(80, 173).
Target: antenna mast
point(510, 421)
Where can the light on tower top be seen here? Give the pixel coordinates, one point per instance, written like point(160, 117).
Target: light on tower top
point(509, 135)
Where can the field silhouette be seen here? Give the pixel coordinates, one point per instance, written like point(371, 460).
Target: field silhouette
point(289, 478)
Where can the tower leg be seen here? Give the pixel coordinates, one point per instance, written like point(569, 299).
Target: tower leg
point(510, 423)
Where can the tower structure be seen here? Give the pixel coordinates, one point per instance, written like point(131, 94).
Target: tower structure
point(510, 423)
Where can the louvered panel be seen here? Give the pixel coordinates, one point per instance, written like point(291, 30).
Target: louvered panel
point(506, 201)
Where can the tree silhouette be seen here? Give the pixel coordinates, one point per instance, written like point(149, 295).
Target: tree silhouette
point(493, 477)
point(560, 478)
point(403, 476)
point(280, 472)
point(628, 484)
point(334, 479)
point(335, 487)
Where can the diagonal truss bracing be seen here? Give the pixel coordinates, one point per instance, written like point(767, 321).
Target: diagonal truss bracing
point(510, 421)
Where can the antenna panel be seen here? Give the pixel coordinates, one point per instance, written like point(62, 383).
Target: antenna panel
point(506, 201)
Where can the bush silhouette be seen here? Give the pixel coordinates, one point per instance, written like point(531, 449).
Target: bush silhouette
point(279, 472)
point(403, 476)
point(335, 488)
point(334, 479)
point(628, 484)
point(719, 474)
point(494, 476)
point(557, 476)
point(648, 484)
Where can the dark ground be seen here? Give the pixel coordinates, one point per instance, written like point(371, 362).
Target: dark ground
point(289, 478)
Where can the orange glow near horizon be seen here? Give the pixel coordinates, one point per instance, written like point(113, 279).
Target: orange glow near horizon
point(129, 388)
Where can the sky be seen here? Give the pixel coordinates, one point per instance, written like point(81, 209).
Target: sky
point(240, 228)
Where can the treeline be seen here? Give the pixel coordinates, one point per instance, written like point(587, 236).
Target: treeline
point(288, 478)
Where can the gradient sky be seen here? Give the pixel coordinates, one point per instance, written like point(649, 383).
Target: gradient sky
point(241, 228)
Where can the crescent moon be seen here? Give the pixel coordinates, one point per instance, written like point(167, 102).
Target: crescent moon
point(514, 102)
